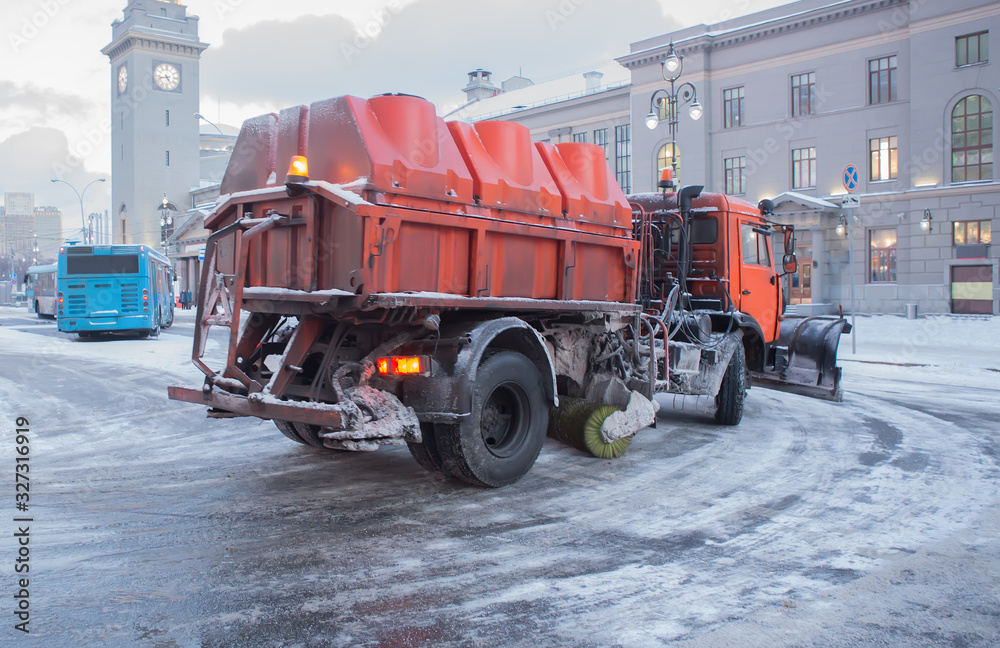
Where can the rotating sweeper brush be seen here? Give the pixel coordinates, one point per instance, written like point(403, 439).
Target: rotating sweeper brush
point(604, 431)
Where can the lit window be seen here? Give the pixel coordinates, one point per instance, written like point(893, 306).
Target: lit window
point(882, 158)
point(882, 255)
point(973, 233)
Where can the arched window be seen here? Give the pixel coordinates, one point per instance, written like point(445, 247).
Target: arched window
point(972, 139)
point(665, 158)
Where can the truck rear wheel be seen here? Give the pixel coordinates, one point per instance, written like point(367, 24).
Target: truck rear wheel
point(499, 442)
point(733, 390)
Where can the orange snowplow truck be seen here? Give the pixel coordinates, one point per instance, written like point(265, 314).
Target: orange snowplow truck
point(454, 287)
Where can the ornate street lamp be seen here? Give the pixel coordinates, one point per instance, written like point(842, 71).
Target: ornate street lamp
point(926, 221)
point(671, 69)
point(166, 219)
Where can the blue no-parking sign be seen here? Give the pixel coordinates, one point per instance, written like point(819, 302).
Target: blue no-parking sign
point(850, 177)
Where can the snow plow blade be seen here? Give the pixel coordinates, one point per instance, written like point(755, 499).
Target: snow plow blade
point(805, 360)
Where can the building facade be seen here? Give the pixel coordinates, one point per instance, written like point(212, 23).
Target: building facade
point(592, 107)
point(18, 227)
point(902, 90)
point(48, 233)
point(154, 55)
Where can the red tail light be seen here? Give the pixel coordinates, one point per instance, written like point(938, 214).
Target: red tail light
point(404, 366)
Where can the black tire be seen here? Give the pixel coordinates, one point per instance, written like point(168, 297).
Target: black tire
point(169, 322)
point(306, 434)
point(499, 442)
point(288, 430)
point(38, 313)
point(733, 390)
point(427, 453)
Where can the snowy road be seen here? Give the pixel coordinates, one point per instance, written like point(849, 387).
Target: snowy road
point(871, 522)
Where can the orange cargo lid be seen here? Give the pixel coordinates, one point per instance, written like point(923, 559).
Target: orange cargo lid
point(396, 142)
point(589, 189)
point(507, 170)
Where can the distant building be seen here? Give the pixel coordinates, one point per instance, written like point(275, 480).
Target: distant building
point(903, 90)
point(17, 231)
point(48, 233)
point(589, 107)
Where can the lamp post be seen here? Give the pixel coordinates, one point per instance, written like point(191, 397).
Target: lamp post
point(166, 220)
point(209, 122)
point(80, 195)
point(671, 69)
point(215, 126)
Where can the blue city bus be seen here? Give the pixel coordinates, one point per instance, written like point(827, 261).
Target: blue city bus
point(40, 290)
point(114, 288)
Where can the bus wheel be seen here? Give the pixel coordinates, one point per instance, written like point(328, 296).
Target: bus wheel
point(170, 321)
point(38, 313)
point(500, 441)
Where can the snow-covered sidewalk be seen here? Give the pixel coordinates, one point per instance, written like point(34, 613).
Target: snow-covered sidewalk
point(962, 350)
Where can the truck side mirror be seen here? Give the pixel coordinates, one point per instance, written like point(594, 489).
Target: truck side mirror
point(789, 263)
point(789, 240)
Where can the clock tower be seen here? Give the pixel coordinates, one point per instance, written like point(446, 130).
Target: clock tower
point(154, 54)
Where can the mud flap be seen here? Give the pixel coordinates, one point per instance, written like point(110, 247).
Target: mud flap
point(805, 358)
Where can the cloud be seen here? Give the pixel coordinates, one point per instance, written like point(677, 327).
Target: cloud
point(30, 159)
point(42, 103)
point(425, 48)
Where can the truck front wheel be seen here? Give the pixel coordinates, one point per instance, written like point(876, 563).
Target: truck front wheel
point(733, 390)
point(499, 442)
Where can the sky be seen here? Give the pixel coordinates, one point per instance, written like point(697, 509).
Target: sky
point(55, 85)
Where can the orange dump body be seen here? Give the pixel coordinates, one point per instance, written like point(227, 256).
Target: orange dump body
point(399, 201)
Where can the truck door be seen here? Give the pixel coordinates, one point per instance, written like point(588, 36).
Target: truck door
point(758, 281)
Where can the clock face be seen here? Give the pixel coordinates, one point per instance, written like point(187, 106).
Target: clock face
point(167, 76)
point(122, 79)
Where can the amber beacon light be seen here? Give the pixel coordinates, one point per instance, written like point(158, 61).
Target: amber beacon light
point(298, 170)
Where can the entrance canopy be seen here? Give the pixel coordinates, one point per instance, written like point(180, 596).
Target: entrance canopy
point(800, 203)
